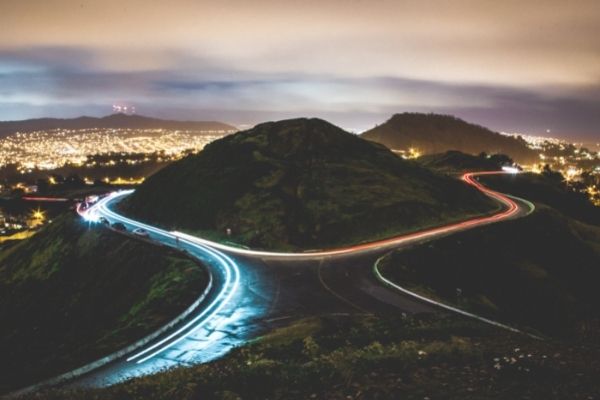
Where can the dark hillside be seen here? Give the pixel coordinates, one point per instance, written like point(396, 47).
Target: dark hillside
point(540, 271)
point(72, 294)
point(548, 188)
point(434, 133)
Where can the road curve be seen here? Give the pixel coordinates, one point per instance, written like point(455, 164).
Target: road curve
point(254, 290)
point(512, 210)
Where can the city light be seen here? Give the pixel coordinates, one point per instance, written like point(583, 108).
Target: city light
point(55, 148)
point(38, 215)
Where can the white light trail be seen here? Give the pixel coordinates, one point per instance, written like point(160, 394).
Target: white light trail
point(510, 170)
point(209, 314)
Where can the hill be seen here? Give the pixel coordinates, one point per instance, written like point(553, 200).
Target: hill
point(115, 121)
point(537, 272)
point(301, 183)
point(434, 133)
point(549, 261)
point(72, 294)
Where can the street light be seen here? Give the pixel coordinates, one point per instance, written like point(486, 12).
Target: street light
point(38, 215)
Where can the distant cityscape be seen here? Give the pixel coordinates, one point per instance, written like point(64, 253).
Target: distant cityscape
point(53, 149)
point(578, 164)
point(67, 160)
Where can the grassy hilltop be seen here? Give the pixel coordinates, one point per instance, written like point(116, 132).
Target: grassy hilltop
point(301, 183)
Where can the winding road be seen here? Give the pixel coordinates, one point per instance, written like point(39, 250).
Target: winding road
point(253, 291)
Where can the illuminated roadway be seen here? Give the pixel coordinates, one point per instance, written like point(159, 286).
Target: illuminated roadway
point(253, 291)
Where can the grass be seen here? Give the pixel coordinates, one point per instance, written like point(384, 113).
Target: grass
point(72, 294)
point(537, 272)
point(427, 356)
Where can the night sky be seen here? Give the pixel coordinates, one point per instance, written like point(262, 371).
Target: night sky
point(510, 65)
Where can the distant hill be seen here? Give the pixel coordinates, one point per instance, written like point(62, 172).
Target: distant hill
point(301, 183)
point(114, 121)
point(434, 133)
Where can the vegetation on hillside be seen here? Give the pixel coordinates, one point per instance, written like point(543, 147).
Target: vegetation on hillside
point(300, 183)
point(540, 271)
point(73, 293)
point(434, 133)
point(335, 358)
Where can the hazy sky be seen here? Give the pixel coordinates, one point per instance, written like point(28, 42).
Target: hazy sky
point(511, 65)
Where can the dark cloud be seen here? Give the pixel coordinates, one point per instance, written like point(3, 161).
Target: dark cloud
point(58, 81)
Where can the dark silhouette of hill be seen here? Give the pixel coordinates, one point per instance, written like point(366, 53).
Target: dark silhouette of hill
point(114, 121)
point(301, 183)
point(434, 133)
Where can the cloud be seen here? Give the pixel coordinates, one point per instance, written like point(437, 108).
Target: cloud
point(348, 87)
point(510, 42)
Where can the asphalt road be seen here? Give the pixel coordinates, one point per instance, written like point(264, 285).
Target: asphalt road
point(254, 291)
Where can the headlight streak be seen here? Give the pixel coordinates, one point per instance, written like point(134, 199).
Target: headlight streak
point(510, 170)
point(230, 286)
